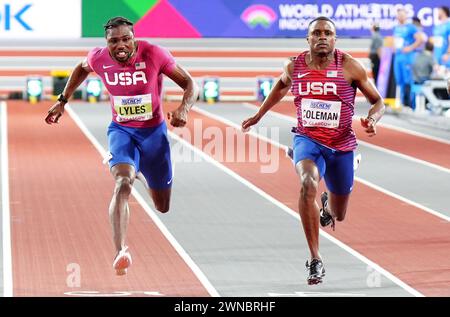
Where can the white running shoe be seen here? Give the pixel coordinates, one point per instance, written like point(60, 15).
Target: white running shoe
point(122, 261)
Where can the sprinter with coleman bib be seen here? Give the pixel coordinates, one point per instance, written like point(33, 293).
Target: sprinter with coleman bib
point(323, 81)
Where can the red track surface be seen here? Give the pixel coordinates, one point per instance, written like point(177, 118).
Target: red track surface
point(408, 242)
point(59, 195)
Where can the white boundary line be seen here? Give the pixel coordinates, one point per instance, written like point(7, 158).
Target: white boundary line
point(183, 254)
point(415, 133)
point(291, 212)
point(404, 156)
point(405, 200)
point(6, 219)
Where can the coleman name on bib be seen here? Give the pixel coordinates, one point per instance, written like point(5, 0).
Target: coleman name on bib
point(137, 108)
point(320, 113)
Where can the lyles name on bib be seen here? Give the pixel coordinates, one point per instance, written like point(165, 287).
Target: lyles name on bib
point(137, 108)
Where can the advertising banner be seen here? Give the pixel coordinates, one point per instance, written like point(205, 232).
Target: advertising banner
point(253, 18)
point(28, 19)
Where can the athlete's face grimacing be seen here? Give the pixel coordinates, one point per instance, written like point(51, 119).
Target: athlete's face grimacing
point(121, 43)
point(321, 37)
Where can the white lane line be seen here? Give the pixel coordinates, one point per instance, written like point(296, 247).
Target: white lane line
point(291, 212)
point(401, 198)
point(415, 133)
point(404, 156)
point(6, 219)
point(183, 254)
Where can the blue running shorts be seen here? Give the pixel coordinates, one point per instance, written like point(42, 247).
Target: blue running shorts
point(336, 167)
point(147, 149)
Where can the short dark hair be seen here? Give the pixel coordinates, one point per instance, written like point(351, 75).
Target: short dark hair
point(321, 18)
point(117, 21)
point(446, 10)
point(417, 20)
point(429, 46)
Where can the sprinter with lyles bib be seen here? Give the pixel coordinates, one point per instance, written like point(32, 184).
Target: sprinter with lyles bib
point(132, 71)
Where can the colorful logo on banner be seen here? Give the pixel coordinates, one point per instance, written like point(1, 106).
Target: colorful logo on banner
point(259, 14)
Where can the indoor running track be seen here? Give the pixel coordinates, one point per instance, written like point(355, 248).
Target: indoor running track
point(233, 230)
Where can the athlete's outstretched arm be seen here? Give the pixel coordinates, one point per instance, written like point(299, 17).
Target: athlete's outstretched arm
point(78, 75)
point(182, 78)
point(358, 75)
point(279, 90)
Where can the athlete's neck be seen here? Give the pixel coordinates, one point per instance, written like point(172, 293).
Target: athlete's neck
point(319, 61)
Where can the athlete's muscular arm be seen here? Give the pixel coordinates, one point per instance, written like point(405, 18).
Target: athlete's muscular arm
point(355, 73)
point(78, 75)
point(182, 78)
point(419, 39)
point(279, 90)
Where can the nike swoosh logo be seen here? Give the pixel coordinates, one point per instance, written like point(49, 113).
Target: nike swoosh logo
point(170, 181)
point(302, 75)
point(108, 66)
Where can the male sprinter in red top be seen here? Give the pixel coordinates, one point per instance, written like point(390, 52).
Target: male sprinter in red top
point(132, 71)
point(323, 81)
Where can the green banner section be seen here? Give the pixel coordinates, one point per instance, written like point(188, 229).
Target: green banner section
point(96, 12)
point(140, 7)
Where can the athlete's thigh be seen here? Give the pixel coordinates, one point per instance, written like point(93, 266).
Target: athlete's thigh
point(339, 179)
point(339, 173)
point(121, 147)
point(155, 160)
point(306, 150)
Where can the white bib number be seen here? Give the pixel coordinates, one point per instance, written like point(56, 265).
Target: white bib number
point(321, 113)
point(133, 108)
point(438, 41)
point(399, 42)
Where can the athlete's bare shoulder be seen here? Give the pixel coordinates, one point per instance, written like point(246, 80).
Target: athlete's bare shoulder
point(289, 66)
point(85, 66)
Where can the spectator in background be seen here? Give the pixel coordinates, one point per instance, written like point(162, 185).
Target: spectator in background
point(422, 68)
point(375, 51)
point(423, 64)
point(441, 37)
point(407, 39)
